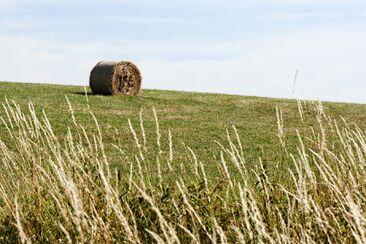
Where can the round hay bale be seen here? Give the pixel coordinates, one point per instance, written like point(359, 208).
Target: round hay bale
point(115, 78)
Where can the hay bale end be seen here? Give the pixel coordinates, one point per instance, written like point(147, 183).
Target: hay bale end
point(115, 78)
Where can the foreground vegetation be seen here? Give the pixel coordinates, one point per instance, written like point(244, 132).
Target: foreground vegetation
point(82, 186)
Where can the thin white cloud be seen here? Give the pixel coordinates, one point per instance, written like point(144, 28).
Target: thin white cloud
point(135, 19)
point(304, 15)
point(314, 2)
point(18, 3)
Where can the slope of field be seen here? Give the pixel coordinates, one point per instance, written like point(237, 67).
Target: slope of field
point(196, 120)
point(179, 167)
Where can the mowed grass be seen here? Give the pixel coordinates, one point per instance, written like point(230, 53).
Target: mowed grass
point(196, 120)
point(178, 167)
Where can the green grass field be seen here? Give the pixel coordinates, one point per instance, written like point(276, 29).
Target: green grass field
point(196, 120)
point(200, 125)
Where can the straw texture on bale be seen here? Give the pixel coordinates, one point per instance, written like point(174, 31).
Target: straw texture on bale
point(115, 78)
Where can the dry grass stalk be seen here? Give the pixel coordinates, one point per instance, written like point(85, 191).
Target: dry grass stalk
point(55, 188)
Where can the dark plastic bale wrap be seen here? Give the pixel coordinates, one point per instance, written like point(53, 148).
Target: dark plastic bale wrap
point(115, 78)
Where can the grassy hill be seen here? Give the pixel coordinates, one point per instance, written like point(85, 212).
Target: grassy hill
point(204, 150)
point(196, 120)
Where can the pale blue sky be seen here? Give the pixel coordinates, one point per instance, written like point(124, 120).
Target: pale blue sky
point(239, 47)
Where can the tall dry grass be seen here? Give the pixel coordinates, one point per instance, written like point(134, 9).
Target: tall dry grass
point(56, 189)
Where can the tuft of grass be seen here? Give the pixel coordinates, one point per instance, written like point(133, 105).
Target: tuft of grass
point(64, 188)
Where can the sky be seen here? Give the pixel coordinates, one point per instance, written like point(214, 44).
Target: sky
point(223, 46)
